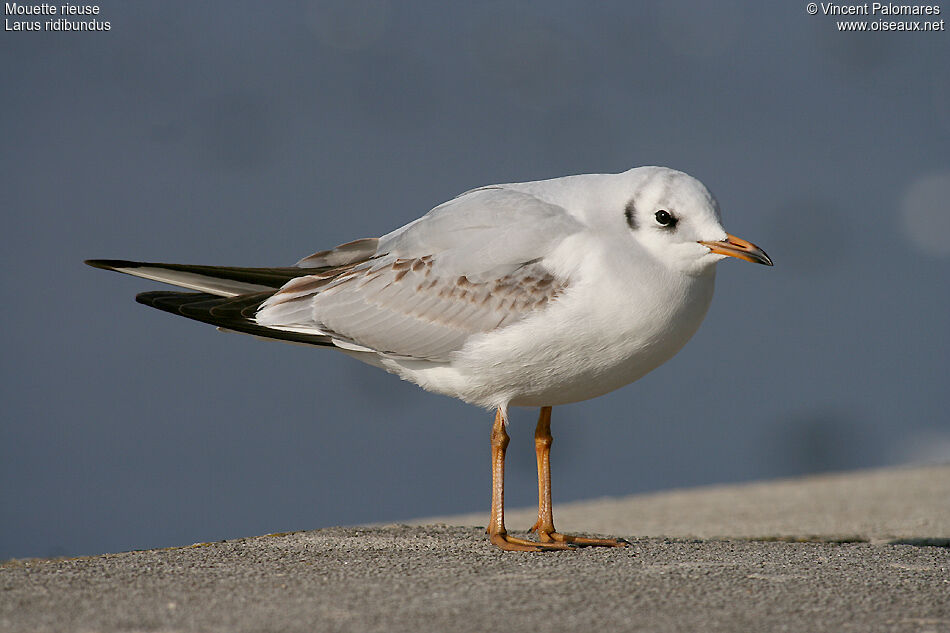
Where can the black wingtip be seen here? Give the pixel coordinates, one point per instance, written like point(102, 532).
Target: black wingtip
point(111, 264)
point(230, 313)
point(148, 298)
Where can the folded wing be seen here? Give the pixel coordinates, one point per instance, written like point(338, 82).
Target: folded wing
point(469, 266)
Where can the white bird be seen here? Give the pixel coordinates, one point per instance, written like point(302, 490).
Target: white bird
point(527, 294)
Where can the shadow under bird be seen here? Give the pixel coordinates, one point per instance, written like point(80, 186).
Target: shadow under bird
point(525, 294)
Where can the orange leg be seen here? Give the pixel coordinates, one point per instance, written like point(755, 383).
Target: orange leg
point(496, 527)
point(545, 524)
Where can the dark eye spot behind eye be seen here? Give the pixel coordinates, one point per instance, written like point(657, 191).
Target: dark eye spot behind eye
point(631, 214)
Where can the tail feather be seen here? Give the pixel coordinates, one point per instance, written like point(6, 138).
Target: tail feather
point(230, 313)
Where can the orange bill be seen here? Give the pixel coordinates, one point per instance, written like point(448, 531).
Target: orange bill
point(737, 247)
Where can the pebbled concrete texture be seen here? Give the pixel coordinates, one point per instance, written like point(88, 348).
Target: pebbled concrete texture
point(437, 577)
point(880, 506)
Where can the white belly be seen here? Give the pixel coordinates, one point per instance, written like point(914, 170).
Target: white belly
point(569, 352)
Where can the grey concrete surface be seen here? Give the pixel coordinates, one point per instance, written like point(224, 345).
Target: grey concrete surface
point(439, 578)
point(880, 506)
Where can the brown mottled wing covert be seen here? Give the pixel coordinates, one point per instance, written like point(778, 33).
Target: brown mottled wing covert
point(404, 308)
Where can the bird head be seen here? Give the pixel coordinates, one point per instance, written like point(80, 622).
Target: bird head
point(675, 218)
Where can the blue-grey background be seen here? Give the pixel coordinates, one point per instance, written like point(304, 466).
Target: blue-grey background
point(251, 133)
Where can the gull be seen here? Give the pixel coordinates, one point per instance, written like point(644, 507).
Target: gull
point(531, 294)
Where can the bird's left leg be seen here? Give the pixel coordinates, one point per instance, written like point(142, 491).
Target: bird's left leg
point(545, 523)
point(496, 526)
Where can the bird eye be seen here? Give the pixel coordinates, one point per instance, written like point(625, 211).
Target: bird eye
point(665, 218)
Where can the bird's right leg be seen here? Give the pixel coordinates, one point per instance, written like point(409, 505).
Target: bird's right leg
point(496, 526)
point(544, 526)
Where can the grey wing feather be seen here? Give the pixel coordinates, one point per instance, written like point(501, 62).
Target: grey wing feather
point(349, 253)
point(468, 266)
point(483, 233)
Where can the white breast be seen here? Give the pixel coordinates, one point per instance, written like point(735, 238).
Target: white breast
point(600, 335)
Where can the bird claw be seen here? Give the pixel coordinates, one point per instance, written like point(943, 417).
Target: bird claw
point(579, 541)
point(510, 543)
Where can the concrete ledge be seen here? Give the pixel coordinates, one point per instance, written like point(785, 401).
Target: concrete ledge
point(437, 578)
point(878, 506)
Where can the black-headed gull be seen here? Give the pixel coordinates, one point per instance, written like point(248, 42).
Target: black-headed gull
point(527, 294)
